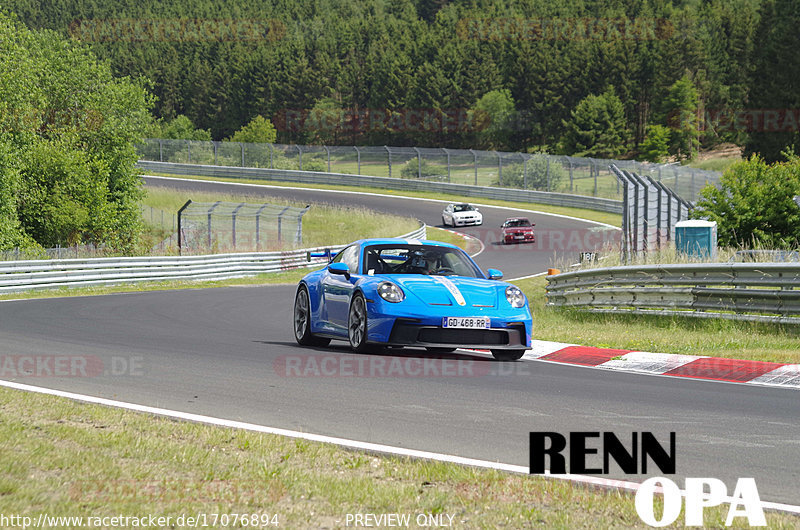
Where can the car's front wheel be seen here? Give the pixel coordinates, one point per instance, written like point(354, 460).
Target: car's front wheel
point(508, 355)
point(357, 324)
point(302, 320)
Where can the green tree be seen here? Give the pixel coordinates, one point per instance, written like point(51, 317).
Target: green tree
point(325, 122)
point(774, 78)
point(596, 127)
point(655, 147)
point(67, 151)
point(543, 173)
point(492, 117)
point(680, 106)
point(259, 131)
point(179, 128)
point(753, 204)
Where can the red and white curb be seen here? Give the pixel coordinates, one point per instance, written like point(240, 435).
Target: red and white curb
point(668, 364)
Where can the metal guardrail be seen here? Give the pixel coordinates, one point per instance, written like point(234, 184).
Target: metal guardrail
point(344, 179)
point(768, 292)
point(17, 276)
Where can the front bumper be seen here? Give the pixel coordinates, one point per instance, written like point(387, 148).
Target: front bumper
point(467, 222)
point(519, 238)
point(410, 333)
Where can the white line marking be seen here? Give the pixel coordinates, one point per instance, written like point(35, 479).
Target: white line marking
point(354, 444)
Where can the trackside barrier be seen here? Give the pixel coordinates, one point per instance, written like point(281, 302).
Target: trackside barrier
point(16, 276)
point(768, 292)
point(344, 179)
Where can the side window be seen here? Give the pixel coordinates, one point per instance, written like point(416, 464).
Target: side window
point(350, 258)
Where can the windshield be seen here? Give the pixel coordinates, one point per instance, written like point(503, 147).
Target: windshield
point(418, 259)
point(518, 222)
point(463, 208)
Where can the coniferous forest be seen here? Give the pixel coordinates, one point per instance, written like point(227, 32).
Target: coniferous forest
point(598, 78)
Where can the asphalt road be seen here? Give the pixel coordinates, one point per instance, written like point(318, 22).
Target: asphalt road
point(230, 353)
point(559, 239)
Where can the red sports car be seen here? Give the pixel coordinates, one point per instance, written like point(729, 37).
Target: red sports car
point(518, 230)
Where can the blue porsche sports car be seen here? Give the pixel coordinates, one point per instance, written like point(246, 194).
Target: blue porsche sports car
point(406, 292)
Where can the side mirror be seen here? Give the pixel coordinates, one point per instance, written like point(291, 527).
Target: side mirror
point(494, 274)
point(339, 268)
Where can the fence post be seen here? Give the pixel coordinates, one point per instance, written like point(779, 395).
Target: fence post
point(419, 163)
point(300, 155)
point(524, 172)
point(447, 152)
point(358, 157)
point(298, 236)
point(389, 158)
point(215, 152)
point(569, 161)
point(548, 172)
point(475, 160)
point(499, 169)
point(271, 164)
point(596, 171)
point(280, 219)
point(328, 151)
point(189, 150)
point(161, 150)
point(258, 223)
point(233, 225)
point(210, 210)
point(242, 146)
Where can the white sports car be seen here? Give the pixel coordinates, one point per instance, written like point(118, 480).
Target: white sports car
point(461, 214)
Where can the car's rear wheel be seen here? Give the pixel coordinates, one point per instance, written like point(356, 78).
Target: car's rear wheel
point(436, 349)
point(302, 320)
point(508, 355)
point(357, 324)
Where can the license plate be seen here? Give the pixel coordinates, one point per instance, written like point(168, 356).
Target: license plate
point(519, 237)
point(466, 322)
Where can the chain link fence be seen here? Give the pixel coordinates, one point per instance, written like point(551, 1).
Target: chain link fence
point(212, 227)
point(565, 174)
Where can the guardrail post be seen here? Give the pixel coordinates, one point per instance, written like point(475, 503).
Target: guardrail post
point(358, 157)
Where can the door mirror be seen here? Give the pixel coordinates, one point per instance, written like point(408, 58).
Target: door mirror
point(494, 274)
point(339, 268)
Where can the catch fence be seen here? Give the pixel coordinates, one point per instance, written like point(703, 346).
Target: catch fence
point(538, 171)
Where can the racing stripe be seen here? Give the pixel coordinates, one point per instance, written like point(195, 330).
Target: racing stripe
point(450, 286)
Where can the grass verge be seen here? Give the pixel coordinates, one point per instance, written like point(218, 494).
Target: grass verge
point(592, 215)
point(684, 335)
point(66, 458)
point(324, 224)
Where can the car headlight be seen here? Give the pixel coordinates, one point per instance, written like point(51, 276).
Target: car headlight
point(390, 292)
point(515, 296)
